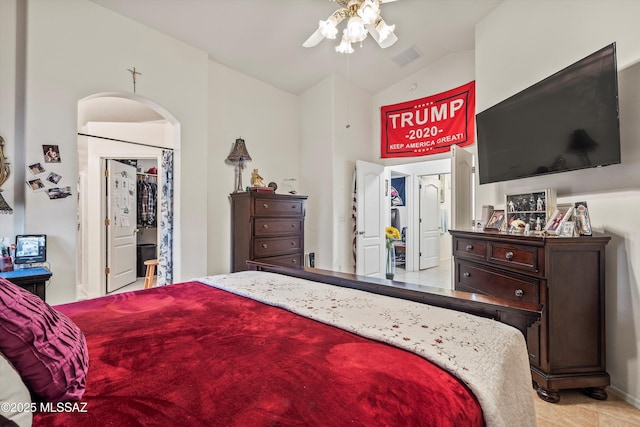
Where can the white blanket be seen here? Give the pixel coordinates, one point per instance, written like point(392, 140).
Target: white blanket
point(490, 357)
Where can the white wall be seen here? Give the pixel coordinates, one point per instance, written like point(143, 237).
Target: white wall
point(74, 49)
point(267, 119)
point(316, 169)
point(10, 118)
point(352, 125)
point(328, 151)
point(523, 42)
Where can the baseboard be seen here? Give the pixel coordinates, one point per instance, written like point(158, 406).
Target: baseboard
point(631, 400)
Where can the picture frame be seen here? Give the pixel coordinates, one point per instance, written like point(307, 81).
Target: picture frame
point(51, 153)
point(54, 178)
point(59, 192)
point(496, 221)
point(36, 184)
point(568, 229)
point(582, 219)
point(36, 169)
point(559, 216)
point(532, 208)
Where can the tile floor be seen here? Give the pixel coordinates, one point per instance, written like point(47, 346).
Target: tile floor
point(135, 286)
point(576, 409)
point(439, 276)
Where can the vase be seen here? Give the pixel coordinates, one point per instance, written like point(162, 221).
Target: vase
point(391, 262)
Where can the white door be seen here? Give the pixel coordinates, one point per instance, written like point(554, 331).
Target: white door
point(429, 221)
point(372, 212)
point(461, 188)
point(121, 224)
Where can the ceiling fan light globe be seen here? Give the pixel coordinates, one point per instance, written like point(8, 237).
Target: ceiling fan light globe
point(344, 46)
point(369, 11)
point(328, 28)
point(356, 31)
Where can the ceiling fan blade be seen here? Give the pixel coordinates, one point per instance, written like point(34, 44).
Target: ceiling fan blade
point(317, 36)
point(314, 39)
point(387, 1)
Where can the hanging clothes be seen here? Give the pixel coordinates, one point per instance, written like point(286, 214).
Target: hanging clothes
point(147, 201)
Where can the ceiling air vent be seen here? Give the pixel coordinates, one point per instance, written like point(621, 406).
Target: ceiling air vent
point(407, 56)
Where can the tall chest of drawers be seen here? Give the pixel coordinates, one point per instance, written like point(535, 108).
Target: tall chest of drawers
point(564, 274)
point(268, 228)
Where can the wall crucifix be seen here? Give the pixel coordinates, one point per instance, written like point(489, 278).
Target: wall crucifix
point(133, 75)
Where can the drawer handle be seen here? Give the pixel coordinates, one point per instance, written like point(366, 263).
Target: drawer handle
point(293, 206)
point(293, 226)
point(264, 245)
point(293, 261)
point(469, 247)
point(509, 255)
point(266, 206)
point(519, 293)
point(466, 274)
point(265, 225)
point(293, 243)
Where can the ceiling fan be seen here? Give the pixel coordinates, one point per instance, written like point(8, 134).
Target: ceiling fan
point(363, 17)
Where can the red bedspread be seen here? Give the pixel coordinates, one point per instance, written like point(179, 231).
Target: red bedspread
point(193, 355)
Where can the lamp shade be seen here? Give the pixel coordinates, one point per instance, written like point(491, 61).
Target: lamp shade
point(239, 152)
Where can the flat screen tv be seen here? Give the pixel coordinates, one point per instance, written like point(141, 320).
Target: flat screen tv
point(31, 248)
point(565, 122)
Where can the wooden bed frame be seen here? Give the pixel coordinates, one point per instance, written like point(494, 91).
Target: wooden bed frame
point(518, 314)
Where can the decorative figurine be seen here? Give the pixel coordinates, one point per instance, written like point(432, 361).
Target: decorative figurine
point(517, 226)
point(256, 179)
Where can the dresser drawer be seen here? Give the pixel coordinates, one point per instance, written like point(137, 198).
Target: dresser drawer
point(476, 278)
point(292, 260)
point(469, 248)
point(263, 227)
point(276, 246)
point(272, 207)
point(519, 257)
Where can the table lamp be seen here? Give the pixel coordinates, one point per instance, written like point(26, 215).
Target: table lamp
point(239, 155)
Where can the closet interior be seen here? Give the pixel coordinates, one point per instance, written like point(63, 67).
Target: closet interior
point(147, 212)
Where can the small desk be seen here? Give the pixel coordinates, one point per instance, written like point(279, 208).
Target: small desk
point(31, 279)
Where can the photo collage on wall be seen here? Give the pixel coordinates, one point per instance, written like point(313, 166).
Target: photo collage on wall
point(48, 181)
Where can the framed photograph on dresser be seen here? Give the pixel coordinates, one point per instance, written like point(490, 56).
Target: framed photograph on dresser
point(496, 221)
point(557, 219)
point(582, 218)
point(567, 229)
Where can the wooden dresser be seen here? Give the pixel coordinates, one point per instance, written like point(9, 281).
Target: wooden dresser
point(567, 276)
point(268, 228)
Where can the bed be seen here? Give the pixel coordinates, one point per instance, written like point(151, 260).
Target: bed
point(278, 346)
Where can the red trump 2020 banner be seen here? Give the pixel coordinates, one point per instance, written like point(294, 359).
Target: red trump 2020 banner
point(429, 125)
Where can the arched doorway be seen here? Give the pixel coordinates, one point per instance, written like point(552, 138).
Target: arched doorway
point(118, 125)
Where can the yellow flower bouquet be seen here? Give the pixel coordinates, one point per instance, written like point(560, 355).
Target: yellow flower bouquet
point(391, 234)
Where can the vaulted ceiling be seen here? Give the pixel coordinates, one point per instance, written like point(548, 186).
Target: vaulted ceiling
point(263, 38)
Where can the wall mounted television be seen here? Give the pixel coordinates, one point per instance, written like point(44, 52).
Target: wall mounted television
point(565, 122)
point(31, 248)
